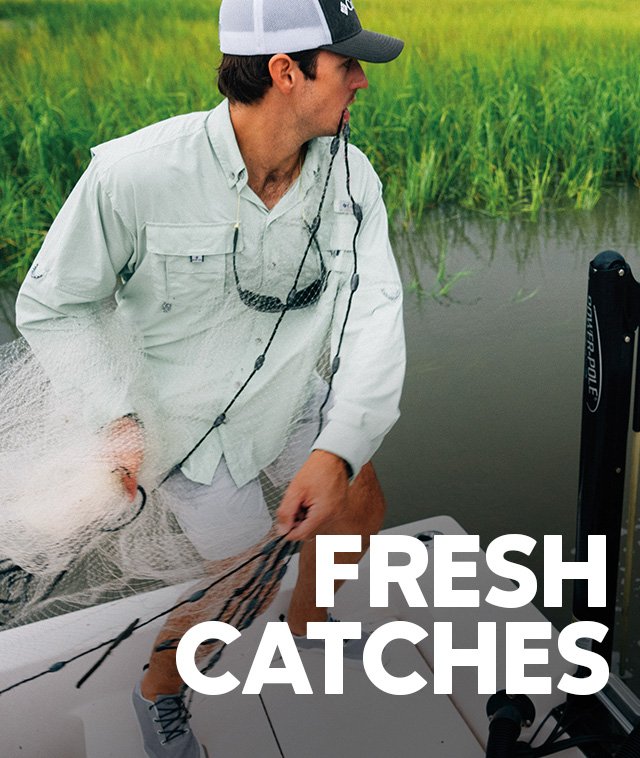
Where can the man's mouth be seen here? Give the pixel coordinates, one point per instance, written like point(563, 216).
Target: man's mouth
point(345, 112)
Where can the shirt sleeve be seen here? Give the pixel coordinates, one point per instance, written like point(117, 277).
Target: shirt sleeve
point(62, 305)
point(368, 383)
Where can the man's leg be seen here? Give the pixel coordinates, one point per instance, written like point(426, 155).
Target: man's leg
point(161, 676)
point(364, 515)
point(238, 595)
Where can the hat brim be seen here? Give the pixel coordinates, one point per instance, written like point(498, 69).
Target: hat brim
point(371, 47)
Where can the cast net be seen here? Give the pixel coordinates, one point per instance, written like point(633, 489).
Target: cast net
point(85, 402)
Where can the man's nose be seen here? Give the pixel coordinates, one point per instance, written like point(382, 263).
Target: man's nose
point(360, 80)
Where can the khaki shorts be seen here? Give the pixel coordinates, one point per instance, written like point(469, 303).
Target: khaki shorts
point(221, 519)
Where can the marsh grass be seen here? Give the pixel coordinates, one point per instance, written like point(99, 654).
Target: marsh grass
point(500, 106)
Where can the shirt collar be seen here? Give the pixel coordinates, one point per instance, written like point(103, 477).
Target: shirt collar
point(317, 150)
point(224, 144)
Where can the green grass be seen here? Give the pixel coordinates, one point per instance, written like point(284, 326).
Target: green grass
point(500, 106)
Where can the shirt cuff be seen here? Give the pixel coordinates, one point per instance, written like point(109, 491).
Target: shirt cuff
point(347, 443)
point(99, 417)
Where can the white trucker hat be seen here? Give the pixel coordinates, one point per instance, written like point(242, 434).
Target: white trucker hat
point(267, 27)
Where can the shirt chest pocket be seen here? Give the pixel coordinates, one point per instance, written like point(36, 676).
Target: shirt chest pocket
point(189, 262)
point(340, 243)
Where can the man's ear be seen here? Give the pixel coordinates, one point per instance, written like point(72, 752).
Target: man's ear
point(284, 72)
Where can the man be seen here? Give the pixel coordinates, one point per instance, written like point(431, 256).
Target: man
point(245, 221)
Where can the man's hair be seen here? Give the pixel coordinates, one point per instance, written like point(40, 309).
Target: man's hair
point(246, 78)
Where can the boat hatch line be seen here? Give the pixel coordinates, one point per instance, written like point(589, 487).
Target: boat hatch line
point(273, 731)
point(262, 582)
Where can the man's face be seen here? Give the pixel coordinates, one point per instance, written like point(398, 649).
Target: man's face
point(323, 100)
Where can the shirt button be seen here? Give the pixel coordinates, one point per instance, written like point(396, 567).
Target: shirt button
point(258, 341)
point(166, 307)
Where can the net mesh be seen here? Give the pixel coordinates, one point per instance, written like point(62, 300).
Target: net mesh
point(73, 537)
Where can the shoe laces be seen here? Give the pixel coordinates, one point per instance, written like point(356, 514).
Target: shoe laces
point(172, 716)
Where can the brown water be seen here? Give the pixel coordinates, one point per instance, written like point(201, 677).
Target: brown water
point(491, 409)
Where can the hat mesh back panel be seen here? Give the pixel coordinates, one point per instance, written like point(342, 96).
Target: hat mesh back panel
point(278, 15)
point(259, 27)
point(237, 16)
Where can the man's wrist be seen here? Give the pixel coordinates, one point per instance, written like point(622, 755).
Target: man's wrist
point(344, 463)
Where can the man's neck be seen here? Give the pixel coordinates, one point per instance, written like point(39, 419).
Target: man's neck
point(272, 153)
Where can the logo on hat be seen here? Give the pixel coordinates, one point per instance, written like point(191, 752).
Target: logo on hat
point(346, 6)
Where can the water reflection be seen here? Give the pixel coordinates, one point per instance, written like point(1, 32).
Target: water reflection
point(454, 238)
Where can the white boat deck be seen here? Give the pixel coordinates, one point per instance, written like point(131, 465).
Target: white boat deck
point(50, 718)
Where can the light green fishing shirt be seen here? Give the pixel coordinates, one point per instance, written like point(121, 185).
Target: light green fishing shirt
point(150, 225)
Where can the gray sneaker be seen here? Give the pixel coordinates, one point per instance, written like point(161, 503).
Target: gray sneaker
point(164, 727)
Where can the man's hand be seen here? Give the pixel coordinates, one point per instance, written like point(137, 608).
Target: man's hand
point(125, 451)
point(316, 495)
